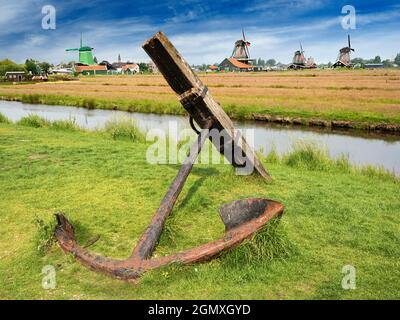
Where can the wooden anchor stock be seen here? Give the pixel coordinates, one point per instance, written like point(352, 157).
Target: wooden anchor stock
point(197, 100)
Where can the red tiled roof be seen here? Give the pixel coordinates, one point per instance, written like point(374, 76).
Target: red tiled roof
point(90, 68)
point(129, 66)
point(239, 64)
point(213, 67)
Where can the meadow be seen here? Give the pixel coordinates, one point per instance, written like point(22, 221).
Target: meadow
point(362, 98)
point(336, 215)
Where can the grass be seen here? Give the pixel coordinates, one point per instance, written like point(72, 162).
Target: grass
point(335, 215)
point(124, 128)
point(269, 244)
point(4, 119)
point(362, 97)
point(117, 129)
point(36, 121)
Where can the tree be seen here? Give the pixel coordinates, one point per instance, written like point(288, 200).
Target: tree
point(8, 66)
point(397, 59)
point(271, 62)
point(387, 63)
point(45, 66)
point(95, 60)
point(143, 67)
point(377, 59)
point(32, 67)
point(358, 61)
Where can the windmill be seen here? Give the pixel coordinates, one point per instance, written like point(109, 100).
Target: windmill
point(85, 54)
point(300, 62)
point(344, 59)
point(241, 50)
point(310, 64)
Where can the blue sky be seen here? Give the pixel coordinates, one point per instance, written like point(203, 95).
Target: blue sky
point(204, 31)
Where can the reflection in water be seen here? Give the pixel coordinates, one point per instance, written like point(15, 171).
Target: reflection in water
point(361, 147)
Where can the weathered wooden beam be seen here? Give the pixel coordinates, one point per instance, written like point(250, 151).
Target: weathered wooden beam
point(197, 100)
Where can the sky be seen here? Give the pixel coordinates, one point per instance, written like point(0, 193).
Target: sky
point(203, 31)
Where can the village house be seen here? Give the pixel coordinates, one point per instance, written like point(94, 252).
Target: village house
point(231, 64)
point(130, 68)
point(15, 76)
point(90, 70)
point(124, 67)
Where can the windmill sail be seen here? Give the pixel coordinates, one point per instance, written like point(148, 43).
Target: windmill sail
point(344, 57)
point(241, 50)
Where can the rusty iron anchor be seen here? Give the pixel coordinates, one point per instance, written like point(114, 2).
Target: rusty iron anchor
point(242, 218)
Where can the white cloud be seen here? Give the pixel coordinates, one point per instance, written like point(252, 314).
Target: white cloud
point(18, 11)
point(207, 41)
point(298, 5)
point(369, 18)
point(185, 17)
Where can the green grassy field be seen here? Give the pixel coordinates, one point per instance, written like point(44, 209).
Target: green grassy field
point(335, 215)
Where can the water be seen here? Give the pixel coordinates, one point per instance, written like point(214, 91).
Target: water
point(361, 148)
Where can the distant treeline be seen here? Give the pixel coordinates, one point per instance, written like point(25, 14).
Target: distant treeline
point(30, 66)
point(266, 63)
point(377, 60)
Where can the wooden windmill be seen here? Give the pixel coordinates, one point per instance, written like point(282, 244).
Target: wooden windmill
point(300, 61)
point(299, 57)
point(344, 58)
point(241, 50)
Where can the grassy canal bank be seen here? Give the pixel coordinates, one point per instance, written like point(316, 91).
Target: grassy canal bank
point(335, 215)
point(363, 99)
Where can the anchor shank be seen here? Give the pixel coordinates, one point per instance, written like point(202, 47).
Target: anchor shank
point(150, 237)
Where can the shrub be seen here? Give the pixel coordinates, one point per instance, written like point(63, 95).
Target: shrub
point(31, 98)
point(307, 155)
point(88, 104)
point(45, 234)
point(69, 125)
point(34, 121)
point(125, 129)
point(62, 77)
